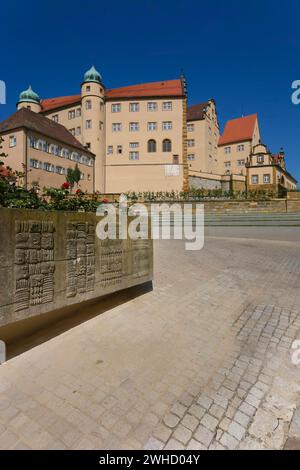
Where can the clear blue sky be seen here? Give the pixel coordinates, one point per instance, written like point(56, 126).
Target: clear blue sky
point(243, 53)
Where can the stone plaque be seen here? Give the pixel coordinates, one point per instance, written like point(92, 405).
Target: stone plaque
point(34, 263)
point(80, 258)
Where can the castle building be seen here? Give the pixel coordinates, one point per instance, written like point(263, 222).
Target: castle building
point(268, 172)
point(233, 160)
point(203, 135)
point(43, 150)
point(137, 133)
point(236, 143)
point(135, 138)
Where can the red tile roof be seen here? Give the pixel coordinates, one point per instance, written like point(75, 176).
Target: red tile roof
point(53, 103)
point(196, 112)
point(155, 89)
point(25, 118)
point(238, 130)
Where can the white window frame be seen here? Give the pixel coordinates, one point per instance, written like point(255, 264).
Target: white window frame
point(260, 158)
point(12, 141)
point(134, 107)
point(116, 107)
point(116, 127)
point(254, 177)
point(134, 126)
point(167, 106)
point(34, 163)
point(167, 125)
point(59, 170)
point(134, 155)
point(152, 106)
point(152, 126)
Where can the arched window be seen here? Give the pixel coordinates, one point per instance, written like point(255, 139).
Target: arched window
point(167, 145)
point(151, 145)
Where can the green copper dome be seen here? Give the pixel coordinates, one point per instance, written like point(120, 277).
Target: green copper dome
point(29, 95)
point(92, 75)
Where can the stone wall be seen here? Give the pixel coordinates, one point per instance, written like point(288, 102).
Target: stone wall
point(293, 195)
point(238, 184)
point(273, 205)
point(198, 182)
point(51, 260)
point(225, 182)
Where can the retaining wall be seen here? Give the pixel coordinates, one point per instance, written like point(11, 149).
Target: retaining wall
point(51, 260)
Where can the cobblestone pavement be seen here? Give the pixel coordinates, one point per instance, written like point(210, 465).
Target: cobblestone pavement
point(202, 361)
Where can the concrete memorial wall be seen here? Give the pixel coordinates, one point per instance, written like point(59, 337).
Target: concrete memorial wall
point(51, 260)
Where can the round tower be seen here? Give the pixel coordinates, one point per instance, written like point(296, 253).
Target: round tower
point(29, 99)
point(93, 122)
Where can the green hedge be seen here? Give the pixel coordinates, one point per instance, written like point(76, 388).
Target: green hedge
point(199, 195)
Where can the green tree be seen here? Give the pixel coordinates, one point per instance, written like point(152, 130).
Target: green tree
point(76, 174)
point(73, 176)
point(70, 177)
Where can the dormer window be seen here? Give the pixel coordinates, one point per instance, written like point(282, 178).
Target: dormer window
point(260, 159)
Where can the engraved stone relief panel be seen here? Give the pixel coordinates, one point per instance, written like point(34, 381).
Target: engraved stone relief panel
point(141, 259)
point(80, 258)
point(111, 262)
point(34, 263)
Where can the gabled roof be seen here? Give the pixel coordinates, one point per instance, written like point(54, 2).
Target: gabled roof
point(239, 130)
point(60, 102)
point(197, 111)
point(154, 89)
point(25, 118)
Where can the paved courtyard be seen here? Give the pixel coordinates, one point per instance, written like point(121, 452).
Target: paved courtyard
point(201, 361)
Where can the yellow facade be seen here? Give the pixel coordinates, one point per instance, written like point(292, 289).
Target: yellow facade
point(202, 142)
point(144, 147)
point(119, 131)
point(44, 168)
point(144, 138)
point(268, 172)
point(233, 155)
